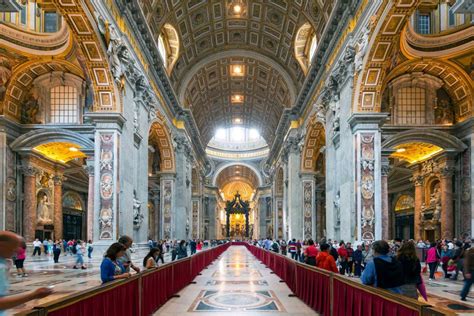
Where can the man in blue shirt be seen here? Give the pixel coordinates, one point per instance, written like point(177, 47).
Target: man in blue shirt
point(268, 243)
point(9, 244)
point(383, 271)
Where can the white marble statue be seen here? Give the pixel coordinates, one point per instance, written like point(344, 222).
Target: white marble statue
point(43, 210)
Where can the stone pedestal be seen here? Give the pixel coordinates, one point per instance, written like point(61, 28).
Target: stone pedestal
point(58, 207)
point(29, 203)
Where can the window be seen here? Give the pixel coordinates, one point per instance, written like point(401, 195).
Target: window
point(451, 17)
point(312, 49)
point(424, 24)
point(162, 50)
point(23, 15)
point(64, 107)
point(411, 105)
point(50, 22)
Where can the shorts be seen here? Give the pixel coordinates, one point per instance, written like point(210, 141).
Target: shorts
point(19, 263)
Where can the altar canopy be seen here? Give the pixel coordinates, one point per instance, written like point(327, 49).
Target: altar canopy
point(238, 207)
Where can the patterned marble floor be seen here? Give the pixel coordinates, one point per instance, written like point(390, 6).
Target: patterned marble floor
point(42, 271)
point(236, 283)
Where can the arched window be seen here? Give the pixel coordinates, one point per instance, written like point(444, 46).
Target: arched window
point(312, 49)
point(64, 105)
point(411, 105)
point(162, 50)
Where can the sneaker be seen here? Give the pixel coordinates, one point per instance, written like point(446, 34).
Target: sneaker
point(25, 275)
point(74, 267)
point(463, 299)
point(83, 268)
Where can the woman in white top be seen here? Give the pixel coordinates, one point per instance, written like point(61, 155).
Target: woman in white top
point(150, 260)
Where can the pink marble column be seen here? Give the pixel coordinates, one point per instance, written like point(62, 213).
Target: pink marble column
point(90, 200)
point(58, 206)
point(446, 186)
point(385, 207)
point(418, 181)
point(29, 205)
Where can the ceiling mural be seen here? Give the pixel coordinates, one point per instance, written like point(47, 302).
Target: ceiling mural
point(416, 151)
point(267, 28)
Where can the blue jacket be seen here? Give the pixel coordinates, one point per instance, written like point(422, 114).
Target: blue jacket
point(369, 276)
point(107, 270)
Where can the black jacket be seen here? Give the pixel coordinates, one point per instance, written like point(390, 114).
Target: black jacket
point(411, 270)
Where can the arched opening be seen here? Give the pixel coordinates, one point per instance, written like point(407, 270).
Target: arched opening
point(237, 183)
point(305, 46)
point(168, 46)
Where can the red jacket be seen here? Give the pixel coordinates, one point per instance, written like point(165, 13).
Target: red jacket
point(342, 252)
point(326, 261)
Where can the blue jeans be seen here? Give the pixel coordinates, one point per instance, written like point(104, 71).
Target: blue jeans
point(79, 260)
point(467, 286)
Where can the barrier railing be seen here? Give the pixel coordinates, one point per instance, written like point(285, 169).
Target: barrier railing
point(329, 293)
point(141, 294)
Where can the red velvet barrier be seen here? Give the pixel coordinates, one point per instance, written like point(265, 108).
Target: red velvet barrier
point(156, 289)
point(350, 300)
point(198, 263)
point(181, 274)
point(289, 272)
point(312, 287)
point(121, 300)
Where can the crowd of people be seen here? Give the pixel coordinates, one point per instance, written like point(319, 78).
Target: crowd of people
point(393, 265)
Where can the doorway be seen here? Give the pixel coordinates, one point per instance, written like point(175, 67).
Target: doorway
point(72, 226)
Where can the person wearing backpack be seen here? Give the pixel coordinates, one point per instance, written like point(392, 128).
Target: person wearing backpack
point(292, 248)
point(384, 271)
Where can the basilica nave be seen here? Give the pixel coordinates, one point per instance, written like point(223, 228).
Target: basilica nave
point(347, 120)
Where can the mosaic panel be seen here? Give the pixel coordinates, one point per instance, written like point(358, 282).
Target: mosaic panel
point(106, 186)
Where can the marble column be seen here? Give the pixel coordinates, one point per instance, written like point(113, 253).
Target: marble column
point(446, 186)
point(58, 206)
point(156, 224)
point(89, 167)
point(385, 205)
point(294, 189)
point(29, 202)
point(418, 180)
point(182, 204)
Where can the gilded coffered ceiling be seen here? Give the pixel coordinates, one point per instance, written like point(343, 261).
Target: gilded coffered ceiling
point(238, 173)
point(266, 29)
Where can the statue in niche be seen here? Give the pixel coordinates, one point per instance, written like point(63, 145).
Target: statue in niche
point(89, 95)
point(114, 52)
point(137, 214)
point(30, 109)
point(155, 166)
point(361, 46)
point(337, 208)
point(443, 110)
point(437, 213)
point(435, 197)
point(43, 209)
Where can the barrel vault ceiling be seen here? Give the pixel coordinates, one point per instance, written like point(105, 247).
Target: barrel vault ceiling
point(261, 38)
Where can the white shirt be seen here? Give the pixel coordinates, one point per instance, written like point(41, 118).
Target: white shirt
point(37, 243)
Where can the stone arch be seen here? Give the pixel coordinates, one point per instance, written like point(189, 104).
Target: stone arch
point(23, 77)
point(160, 137)
point(172, 43)
point(315, 140)
point(26, 142)
point(79, 18)
point(303, 42)
point(378, 56)
point(76, 197)
point(230, 164)
point(456, 81)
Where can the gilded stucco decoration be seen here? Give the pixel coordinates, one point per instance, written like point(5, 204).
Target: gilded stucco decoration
point(315, 141)
point(159, 137)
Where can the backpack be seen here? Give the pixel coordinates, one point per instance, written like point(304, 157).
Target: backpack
point(74, 248)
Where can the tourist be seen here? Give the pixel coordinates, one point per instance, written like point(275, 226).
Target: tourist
point(275, 246)
point(383, 271)
point(432, 259)
point(9, 244)
point(56, 251)
point(50, 246)
point(299, 246)
point(90, 248)
point(182, 251)
point(70, 246)
point(37, 247)
point(325, 260)
point(78, 250)
point(162, 248)
point(20, 259)
point(64, 244)
point(45, 247)
point(358, 258)
point(199, 245)
point(333, 252)
point(468, 272)
point(126, 258)
point(151, 259)
point(268, 244)
point(311, 253)
point(458, 257)
point(192, 246)
point(283, 247)
point(174, 250)
point(367, 255)
point(342, 252)
point(150, 243)
point(446, 255)
point(111, 268)
point(292, 248)
point(411, 268)
point(304, 246)
point(350, 253)
point(420, 244)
